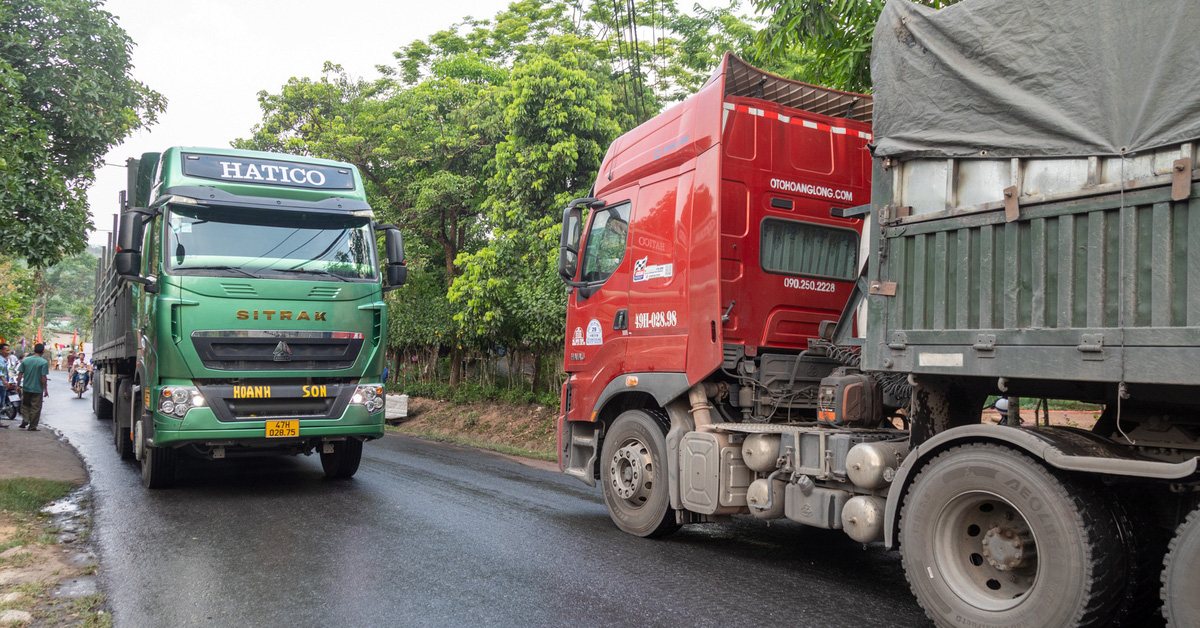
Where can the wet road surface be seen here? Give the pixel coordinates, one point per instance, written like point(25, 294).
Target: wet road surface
point(428, 534)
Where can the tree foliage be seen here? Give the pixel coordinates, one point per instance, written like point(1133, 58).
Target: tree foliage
point(66, 97)
point(477, 136)
point(17, 290)
point(833, 36)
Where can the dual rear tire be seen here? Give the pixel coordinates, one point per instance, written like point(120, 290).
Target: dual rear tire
point(1181, 575)
point(989, 536)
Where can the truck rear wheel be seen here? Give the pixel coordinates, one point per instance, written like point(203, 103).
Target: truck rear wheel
point(991, 537)
point(1181, 575)
point(122, 420)
point(101, 406)
point(343, 462)
point(633, 474)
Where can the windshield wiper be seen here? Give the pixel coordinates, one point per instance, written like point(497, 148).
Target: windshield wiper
point(233, 268)
point(313, 271)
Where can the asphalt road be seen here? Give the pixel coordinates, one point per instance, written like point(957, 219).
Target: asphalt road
point(428, 534)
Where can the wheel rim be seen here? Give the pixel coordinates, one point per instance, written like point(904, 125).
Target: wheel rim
point(631, 473)
point(986, 551)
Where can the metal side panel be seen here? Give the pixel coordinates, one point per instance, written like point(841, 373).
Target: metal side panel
point(699, 476)
point(1090, 287)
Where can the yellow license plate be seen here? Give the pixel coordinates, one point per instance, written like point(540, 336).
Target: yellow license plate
point(283, 429)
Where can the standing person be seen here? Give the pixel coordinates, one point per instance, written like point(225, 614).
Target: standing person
point(8, 375)
point(32, 376)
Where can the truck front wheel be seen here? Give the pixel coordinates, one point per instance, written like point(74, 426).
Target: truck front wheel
point(1181, 575)
point(989, 536)
point(343, 462)
point(634, 474)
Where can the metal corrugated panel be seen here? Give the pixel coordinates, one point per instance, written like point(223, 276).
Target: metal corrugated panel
point(1102, 287)
point(743, 79)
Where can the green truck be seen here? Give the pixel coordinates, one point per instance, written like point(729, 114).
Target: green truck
point(239, 311)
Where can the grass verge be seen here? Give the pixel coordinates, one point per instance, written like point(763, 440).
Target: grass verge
point(28, 496)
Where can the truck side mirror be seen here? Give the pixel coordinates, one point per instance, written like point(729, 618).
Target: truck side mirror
point(128, 263)
point(397, 271)
point(128, 259)
point(568, 246)
point(129, 235)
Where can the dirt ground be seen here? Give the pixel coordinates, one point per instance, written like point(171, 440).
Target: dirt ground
point(529, 428)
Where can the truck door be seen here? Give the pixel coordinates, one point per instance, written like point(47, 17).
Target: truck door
point(598, 312)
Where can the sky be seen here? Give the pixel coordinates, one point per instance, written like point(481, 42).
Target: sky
point(210, 58)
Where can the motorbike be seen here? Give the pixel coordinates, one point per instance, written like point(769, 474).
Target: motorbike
point(79, 381)
point(10, 403)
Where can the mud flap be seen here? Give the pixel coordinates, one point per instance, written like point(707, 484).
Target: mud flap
point(582, 446)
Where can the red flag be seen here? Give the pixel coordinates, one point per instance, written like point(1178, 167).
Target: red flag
point(73, 337)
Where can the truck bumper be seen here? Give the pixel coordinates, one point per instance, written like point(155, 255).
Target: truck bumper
point(201, 425)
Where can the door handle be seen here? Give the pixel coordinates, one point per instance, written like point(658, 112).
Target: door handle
point(621, 320)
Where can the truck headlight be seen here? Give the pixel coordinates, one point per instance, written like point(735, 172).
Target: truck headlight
point(370, 396)
point(177, 400)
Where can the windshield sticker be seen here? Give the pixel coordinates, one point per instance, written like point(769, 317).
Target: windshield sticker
point(644, 272)
point(595, 333)
point(577, 337)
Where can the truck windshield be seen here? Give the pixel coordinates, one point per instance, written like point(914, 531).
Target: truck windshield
point(241, 242)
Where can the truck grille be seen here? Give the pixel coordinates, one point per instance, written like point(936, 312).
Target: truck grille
point(235, 350)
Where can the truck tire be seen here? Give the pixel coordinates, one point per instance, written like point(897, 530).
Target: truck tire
point(122, 415)
point(989, 536)
point(634, 474)
point(158, 463)
point(1181, 575)
point(1145, 544)
point(101, 406)
point(343, 462)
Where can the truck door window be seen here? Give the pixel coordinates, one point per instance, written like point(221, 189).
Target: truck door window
point(789, 247)
point(605, 247)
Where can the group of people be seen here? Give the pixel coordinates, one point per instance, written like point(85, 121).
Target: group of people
point(29, 378)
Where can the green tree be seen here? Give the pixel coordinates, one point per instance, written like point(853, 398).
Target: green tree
point(66, 97)
point(834, 34)
point(558, 124)
point(17, 290)
point(69, 286)
point(419, 147)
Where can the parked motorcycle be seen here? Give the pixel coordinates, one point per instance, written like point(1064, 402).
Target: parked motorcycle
point(10, 403)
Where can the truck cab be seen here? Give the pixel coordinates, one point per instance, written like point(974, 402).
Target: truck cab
point(256, 314)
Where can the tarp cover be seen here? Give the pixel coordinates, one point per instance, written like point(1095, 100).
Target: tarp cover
point(1036, 77)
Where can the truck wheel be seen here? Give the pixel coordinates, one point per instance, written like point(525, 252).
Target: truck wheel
point(158, 463)
point(343, 462)
point(990, 537)
point(122, 420)
point(101, 406)
point(1181, 575)
point(633, 474)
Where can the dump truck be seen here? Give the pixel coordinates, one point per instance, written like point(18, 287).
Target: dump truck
point(239, 311)
point(793, 302)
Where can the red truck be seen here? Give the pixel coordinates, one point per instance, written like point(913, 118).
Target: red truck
point(750, 333)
